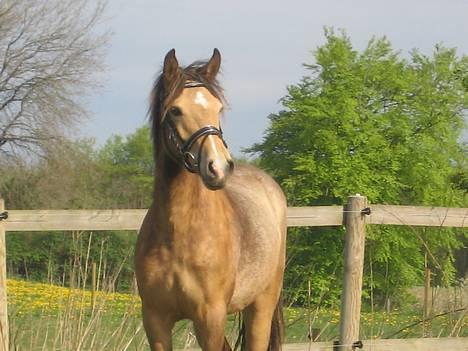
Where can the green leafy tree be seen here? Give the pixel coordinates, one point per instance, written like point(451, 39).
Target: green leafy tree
point(374, 123)
point(73, 176)
point(66, 177)
point(128, 170)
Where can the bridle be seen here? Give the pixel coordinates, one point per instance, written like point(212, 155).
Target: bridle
point(183, 148)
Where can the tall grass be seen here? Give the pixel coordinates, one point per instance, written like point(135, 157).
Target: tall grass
point(46, 317)
point(73, 316)
point(74, 326)
point(83, 313)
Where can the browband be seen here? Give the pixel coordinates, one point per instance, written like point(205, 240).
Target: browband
point(193, 84)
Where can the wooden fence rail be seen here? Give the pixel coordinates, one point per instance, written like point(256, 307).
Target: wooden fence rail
point(426, 344)
point(354, 217)
point(318, 216)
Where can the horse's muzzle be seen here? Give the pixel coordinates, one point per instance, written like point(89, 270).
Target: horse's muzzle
point(216, 173)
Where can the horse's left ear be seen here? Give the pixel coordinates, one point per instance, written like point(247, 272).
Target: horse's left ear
point(211, 69)
point(171, 66)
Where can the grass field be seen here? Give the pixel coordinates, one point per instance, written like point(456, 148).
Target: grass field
point(47, 317)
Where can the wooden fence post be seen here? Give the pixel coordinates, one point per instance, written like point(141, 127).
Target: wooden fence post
point(353, 270)
point(3, 294)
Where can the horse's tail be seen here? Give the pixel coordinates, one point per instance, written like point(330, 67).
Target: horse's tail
point(277, 330)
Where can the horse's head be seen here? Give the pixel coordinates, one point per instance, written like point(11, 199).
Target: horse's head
point(190, 119)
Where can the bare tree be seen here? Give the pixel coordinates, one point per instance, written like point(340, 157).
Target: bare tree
point(50, 52)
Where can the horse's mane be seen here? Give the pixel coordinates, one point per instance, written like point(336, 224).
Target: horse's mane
point(162, 96)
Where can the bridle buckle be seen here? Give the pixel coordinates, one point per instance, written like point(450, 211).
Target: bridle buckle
point(190, 162)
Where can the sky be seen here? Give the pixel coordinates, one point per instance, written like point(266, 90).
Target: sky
point(263, 43)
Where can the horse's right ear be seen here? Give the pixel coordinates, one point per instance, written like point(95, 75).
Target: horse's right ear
point(171, 66)
point(210, 70)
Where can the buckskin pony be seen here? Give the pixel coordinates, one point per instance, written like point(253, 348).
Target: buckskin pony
point(213, 240)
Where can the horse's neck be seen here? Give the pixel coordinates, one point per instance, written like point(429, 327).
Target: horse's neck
point(174, 185)
point(186, 193)
point(191, 218)
point(183, 197)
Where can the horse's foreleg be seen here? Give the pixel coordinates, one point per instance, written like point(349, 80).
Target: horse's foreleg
point(209, 327)
point(158, 327)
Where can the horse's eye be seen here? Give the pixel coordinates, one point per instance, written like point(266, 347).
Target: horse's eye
point(175, 111)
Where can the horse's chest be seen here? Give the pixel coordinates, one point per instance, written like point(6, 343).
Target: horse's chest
point(195, 270)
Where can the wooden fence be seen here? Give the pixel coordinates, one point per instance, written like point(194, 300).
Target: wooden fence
point(354, 216)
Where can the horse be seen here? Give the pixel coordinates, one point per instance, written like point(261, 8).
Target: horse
point(213, 240)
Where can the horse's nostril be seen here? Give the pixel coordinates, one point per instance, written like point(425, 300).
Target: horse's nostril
point(212, 169)
point(219, 170)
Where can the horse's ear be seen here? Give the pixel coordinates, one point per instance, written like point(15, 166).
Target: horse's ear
point(211, 69)
point(171, 66)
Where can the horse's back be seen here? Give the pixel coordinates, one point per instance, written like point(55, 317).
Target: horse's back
point(261, 208)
